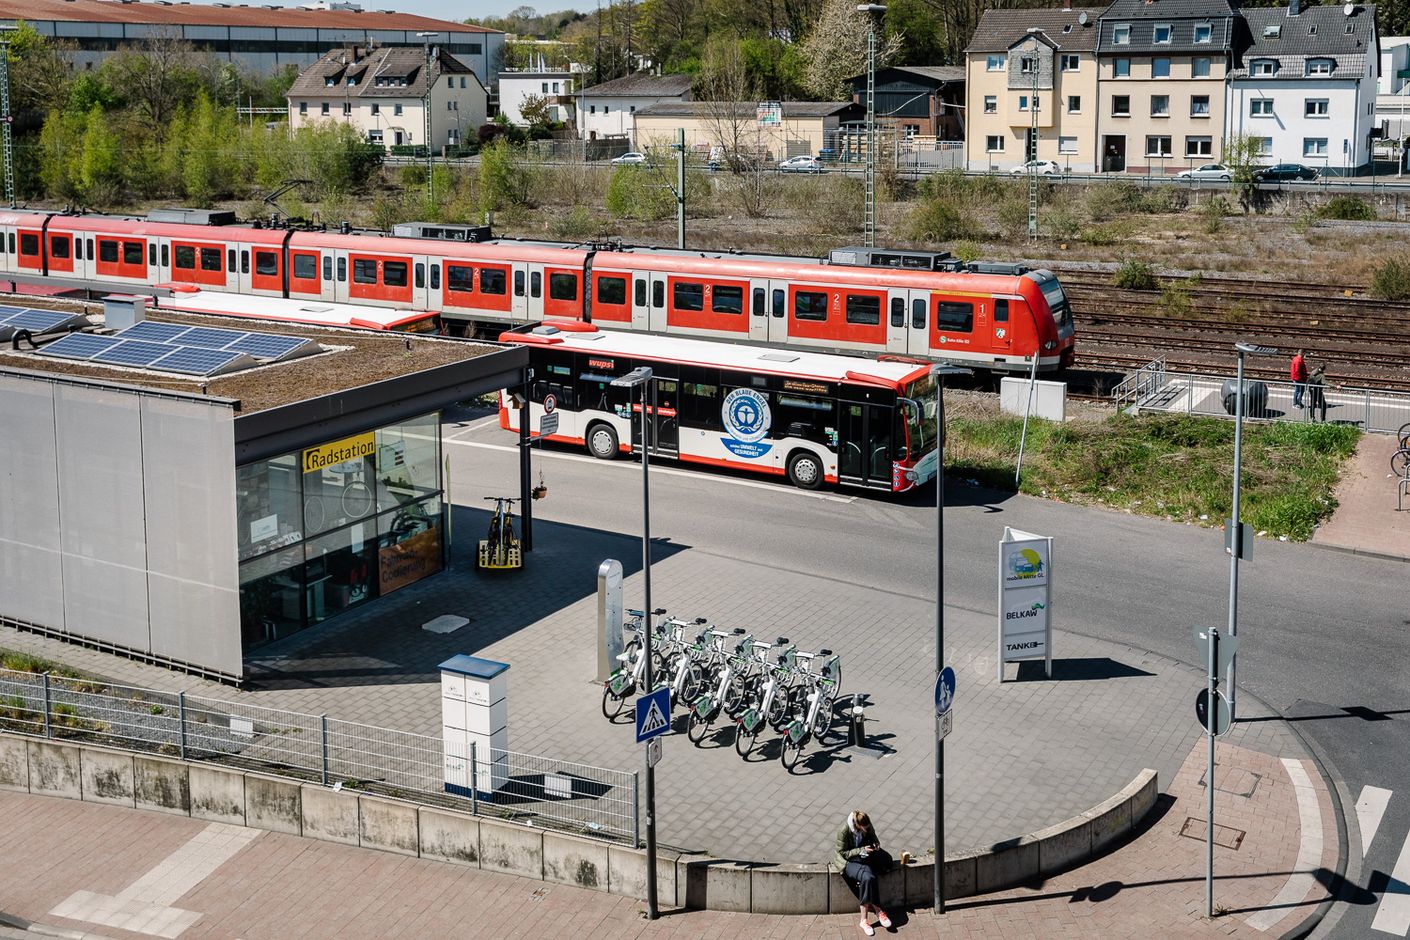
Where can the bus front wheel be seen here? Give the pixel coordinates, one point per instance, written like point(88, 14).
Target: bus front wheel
point(805, 470)
point(602, 442)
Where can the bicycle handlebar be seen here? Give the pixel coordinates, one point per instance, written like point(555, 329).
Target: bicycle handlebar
point(502, 499)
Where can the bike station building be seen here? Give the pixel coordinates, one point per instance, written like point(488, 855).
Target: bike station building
point(189, 520)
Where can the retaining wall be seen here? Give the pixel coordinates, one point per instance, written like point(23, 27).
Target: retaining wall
point(74, 770)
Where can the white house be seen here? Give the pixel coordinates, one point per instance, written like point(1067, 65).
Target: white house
point(554, 86)
point(606, 110)
point(382, 93)
point(1305, 85)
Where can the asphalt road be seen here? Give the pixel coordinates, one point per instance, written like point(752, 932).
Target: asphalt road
point(1324, 634)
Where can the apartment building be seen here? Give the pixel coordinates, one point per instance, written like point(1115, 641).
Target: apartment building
point(1031, 89)
point(1304, 85)
point(609, 109)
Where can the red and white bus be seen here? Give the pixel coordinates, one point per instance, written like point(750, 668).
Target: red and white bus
point(812, 417)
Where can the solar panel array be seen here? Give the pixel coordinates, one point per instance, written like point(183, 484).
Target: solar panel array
point(14, 319)
point(188, 350)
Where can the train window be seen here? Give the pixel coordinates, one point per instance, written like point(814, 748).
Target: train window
point(518, 283)
point(460, 277)
point(658, 293)
point(166, 256)
point(420, 275)
point(898, 312)
point(759, 301)
point(59, 246)
point(244, 261)
point(535, 284)
point(29, 245)
point(640, 293)
point(107, 249)
point(727, 300)
point(563, 286)
point(210, 259)
point(306, 267)
point(809, 305)
point(435, 277)
point(364, 271)
point(90, 246)
point(954, 317)
point(1001, 311)
point(686, 296)
point(185, 257)
point(342, 270)
point(12, 244)
point(77, 248)
point(152, 254)
point(863, 310)
point(267, 263)
point(132, 253)
point(917, 314)
point(394, 273)
point(492, 281)
point(780, 303)
point(613, 290)
point(230, 265)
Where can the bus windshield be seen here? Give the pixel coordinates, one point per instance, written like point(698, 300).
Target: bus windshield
point(919, 410)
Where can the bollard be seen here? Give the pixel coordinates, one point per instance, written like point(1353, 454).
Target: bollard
point(856, 723)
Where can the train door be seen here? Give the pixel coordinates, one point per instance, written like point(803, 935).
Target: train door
point(536, 288)
point(420, 292)
point(7, 254)
point(778, 311)
point(1003, 330)
point(918, 340)
point(864, 444)
point(759, 310)
point(239, 273)
point(162, 274)
point(658, 320)
point(520, 307)
point(337, 261)
point(641, 301)
point(897, 318)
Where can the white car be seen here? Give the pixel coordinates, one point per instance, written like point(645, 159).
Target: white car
point(1217, 172)
point(1046, 167)
point(630, 158)
point(800, 165)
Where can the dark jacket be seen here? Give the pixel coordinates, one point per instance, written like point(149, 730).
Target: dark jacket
point(845, 852)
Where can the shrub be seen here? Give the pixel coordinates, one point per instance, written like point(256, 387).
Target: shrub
point(412, 176)
point(1107, 233)
point(939, 220)
point(1164, 199)
point(507, 180)
point(1061, 223)
point(836, 205)
point(639, 194)
point(1013, 217)
point(1109, 200)
point(1134, 275)
point(1391, 280)
point(1348, 208)
point(1213, 213)
point(967, 251)
point(576, 225)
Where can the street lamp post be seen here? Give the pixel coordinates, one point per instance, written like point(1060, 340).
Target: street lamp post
point(430, 79)
point(642, 376)
point(1236, 535)
point(874, 12)
point(938, 372)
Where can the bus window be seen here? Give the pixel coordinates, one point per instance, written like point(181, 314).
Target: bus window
point(700, 405)
point(1001, 311)
point(685, 296)
point(879, 443)
point(917, 314)
point(780, 301)
point(806, 417)
point(863, 309)
point(898, 312)
point(758, 301)
point(727, 300)
point(809, 305)
point(518, 283)
point(951, 317)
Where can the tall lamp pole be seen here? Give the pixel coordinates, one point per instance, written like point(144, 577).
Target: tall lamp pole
point(938, 373)
point(430, 81)
point(642, 376)
point(1237, 537)
point(874, 12)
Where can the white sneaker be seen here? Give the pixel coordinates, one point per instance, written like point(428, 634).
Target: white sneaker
point(885, 921)
point(867, 928)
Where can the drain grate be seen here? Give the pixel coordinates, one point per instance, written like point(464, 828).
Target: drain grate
point(1235, 782)
point(1223, 835)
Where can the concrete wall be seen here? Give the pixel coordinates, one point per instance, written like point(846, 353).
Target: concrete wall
point(211, 791)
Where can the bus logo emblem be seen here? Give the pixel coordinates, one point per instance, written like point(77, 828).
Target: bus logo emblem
point(746, 420)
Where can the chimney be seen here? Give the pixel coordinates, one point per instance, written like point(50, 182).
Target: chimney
point(1067, 5)
point(1294, 7)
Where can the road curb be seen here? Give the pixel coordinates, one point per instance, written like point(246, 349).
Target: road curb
point(1362, 552)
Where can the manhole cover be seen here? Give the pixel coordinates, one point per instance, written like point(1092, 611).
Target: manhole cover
point(446, 623)
point(1223, 835)
point(1235, 782)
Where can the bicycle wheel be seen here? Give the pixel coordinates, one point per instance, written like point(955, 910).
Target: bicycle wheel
point(826, 721)
point(692, 685)
point(698, 727)
point(611, 703)
point(1403, 435)
point(744, 738)
point(1399, 461)
point(736, 694)
point(788, 702)
point(792, 750)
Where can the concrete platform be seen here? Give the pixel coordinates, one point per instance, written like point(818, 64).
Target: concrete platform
point(1366, 520)
point(1201, 395)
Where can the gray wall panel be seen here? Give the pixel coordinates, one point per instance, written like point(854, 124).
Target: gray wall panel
point(189, 472)
point(29, 505)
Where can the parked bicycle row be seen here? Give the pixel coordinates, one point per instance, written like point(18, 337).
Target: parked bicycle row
point(727, 676)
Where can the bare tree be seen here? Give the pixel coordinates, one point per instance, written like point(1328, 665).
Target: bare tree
point(836, 49)
point(156, 75)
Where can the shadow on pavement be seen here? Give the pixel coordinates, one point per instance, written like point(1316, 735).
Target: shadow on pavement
point(1080, 670)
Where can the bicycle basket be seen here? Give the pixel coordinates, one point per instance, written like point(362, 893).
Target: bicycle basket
point(796, 730)
point(703, 706)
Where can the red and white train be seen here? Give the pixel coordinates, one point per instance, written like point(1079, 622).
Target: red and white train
point(877, 301)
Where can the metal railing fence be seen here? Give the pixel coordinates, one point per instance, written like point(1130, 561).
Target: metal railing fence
point(567, 795)
point(1140, 384)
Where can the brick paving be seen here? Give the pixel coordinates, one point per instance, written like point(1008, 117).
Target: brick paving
point(279, 886)
point(1366, 518)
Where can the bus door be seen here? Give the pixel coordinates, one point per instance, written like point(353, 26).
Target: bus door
point(864, 444)
point(778, 311)
point(519, 307)
point(657, 322)
point(666, 433)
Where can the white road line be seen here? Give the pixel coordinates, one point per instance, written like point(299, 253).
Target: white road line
point(492, 419)
point(669, 471)
point(1370, 807)
point(1309, 851)
point(1393, 913)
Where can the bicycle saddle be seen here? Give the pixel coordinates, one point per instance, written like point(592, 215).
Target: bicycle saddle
point(738, 631)
point(700, 621)
point(658, 611)
point(635, 613)
point(781, 641)
point(824, 652)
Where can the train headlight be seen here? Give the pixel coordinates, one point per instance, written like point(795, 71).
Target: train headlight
point(1050, 344)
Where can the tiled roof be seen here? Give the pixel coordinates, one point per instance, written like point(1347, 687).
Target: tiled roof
point(204, 14)
point(389, 62)
point(791, 109)
point(641, 85)
point(1000, 29)
point(940, 73)
point(1182, 16)
point(1168, 9)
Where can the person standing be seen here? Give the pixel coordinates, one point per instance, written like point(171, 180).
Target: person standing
point(862, 860)
point(1316, 395)
point(1298, 372)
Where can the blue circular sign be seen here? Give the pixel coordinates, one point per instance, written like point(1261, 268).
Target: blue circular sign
point(746, 415)
point(944, 690)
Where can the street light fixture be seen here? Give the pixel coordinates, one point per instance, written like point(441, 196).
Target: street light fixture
point(641, 376)
point(1236, 535)
point(430, 181)
point(938, 372)
point(874, 12)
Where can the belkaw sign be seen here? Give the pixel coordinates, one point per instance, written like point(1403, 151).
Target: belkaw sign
point(1025, 599)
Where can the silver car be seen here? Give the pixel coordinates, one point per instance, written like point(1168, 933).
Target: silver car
point(1215, 172)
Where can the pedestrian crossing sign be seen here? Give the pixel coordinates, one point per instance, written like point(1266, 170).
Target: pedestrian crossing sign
point(653, 714)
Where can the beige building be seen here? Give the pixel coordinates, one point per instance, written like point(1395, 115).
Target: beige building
point(382, 93)
point(1031, 89)
point(802, 128)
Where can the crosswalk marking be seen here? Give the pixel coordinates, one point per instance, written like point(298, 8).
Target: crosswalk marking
point(1393, 913)
point(1309, 852)
point(1370, 807)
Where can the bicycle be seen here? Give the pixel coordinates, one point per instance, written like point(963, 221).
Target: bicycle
point(687, 678)
point(1400, 460)
point(501, 549)
point(630, 676)
point(765, 701)
point(719, 670)
point(819, 718)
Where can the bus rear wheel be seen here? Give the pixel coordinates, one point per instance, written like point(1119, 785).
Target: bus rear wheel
point(805, 470)
point(602, 442)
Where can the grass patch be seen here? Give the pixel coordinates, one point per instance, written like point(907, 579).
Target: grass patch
point(1173, 466)
point(27, 662)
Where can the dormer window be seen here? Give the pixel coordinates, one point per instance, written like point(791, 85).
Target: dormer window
point(1121, 35)
point(1263, 67)
point(1162, 34)
point(330, 81)
point(1204, 32)
point(1273, 31)
point(1319, 67)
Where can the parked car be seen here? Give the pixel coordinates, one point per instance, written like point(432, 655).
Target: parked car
point(800, 165)
point(1284, 172)
point(1210, 171)
point(1046, 167)
point(630, 158)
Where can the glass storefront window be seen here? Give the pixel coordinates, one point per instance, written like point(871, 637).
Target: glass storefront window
point(410, 544)
point(272, 596)
point(408, 461)
point(342, 570)
point(269, 499)
point(338, 495)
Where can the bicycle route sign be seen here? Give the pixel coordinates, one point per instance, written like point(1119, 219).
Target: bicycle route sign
point(944, 691)
point(652, 714)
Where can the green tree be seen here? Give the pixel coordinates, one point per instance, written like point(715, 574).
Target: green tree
point(1243, 156)
point(100, 167)
point(506, 178)
point(60, 143)
point(40, 71)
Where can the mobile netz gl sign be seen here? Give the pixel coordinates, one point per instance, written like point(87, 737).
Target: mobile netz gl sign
point(1025, 594)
